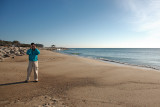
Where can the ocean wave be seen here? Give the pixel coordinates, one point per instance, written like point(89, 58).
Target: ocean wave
point(75, 53)
point(114, 61)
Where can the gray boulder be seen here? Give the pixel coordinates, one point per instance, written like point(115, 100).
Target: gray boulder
point(12, 51)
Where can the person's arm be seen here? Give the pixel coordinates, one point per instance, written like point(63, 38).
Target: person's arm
point(29, 52)
point(37, 51)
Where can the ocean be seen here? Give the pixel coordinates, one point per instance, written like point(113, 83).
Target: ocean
point(142, 57)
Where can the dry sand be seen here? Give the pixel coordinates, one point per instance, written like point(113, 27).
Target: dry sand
point(77, 82)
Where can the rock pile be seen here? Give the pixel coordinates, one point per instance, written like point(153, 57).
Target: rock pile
point(11, 52)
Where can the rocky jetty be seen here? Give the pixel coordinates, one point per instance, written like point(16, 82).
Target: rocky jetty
point(11, 52)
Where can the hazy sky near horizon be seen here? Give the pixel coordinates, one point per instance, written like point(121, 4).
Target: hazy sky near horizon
point(82, 23)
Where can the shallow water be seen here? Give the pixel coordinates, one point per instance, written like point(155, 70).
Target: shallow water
point(144, 57)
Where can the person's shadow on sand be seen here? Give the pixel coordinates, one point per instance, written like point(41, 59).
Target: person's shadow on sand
point(13, 83)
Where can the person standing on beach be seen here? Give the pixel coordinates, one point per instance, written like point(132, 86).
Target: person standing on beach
point(33, 53)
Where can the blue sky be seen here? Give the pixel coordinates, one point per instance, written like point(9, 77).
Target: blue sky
point(82, 23)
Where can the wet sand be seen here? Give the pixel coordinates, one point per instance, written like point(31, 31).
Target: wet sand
point(77, 82)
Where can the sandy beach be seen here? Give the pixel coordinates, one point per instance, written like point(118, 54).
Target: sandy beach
point(70, 81)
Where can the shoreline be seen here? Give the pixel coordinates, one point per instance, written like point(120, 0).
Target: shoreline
point(115, 62)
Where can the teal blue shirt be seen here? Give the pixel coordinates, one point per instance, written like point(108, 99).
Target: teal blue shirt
point(33, 55)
